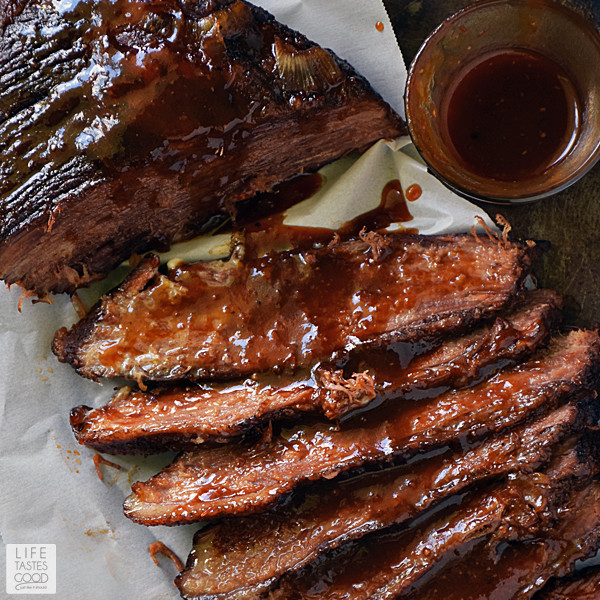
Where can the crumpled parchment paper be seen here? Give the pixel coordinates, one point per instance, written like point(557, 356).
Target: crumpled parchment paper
point(49, 491)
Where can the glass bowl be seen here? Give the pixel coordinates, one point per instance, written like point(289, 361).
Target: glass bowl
point(496, 28)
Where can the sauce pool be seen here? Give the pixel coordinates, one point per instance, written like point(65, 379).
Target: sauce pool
point(511, 115)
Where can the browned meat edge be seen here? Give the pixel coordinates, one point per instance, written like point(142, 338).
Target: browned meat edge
point(237, 479)
point(518, 570)
point(526, 507)
point(230, 319)
point(173, 418)
point(584, 585)
point(239, 558)
point(9, 9)
point(275, 103)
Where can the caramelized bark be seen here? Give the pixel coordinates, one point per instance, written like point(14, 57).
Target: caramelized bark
point(527, 507)
point(237, 479)
point(242, 557)
point(287, 310)
point(146, 422)
point(127, 125)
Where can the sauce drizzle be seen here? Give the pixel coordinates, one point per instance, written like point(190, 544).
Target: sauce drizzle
point(392, 209)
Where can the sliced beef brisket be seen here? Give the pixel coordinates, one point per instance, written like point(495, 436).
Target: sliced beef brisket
point(242, 557)
point(517, 570)
point(152, 421)
point(584, 585)
point(237, 479)
point(292, 309)
point(526, 508)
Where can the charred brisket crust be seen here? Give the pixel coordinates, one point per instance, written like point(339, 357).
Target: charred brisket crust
point(66, 343)
point(32, 208)
point(9, 10)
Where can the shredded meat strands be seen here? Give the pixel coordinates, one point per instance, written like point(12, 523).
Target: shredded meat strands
point(45, 298)
point(100, 460)
point(499, 237)
point(80, 308)
point(160, 548)
point(376, 241)
point(359, 390)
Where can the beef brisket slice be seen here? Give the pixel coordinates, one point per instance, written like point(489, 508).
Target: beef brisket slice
point(127, 125)
point(144, 422)
point(238, 479)
point(238, 558)
point(229, 319)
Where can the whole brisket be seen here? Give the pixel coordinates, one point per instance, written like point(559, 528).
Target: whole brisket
point(237, 479)
point(146, 422)
point(291, 309)
point(126, 125)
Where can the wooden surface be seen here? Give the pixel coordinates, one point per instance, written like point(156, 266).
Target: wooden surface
point(569, 220)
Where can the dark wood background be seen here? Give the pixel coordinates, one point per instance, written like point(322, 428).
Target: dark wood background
point(569, 220)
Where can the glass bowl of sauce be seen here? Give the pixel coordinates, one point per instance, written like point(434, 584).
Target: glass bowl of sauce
point(503, 100)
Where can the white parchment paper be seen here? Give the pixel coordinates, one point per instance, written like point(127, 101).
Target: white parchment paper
point(49, 491)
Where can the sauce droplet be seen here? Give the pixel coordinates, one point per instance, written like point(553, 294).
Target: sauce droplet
point(413, 192)
point(379, 26)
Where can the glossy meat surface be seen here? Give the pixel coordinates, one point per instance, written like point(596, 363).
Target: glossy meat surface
point(518, 570)
point(387, 566)
point(242, 557)
point(136, 421)
point(127, 125)
point(582, 586)
point(291, 309)
point(238, 479)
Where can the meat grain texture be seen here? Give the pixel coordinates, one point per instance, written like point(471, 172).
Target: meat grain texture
point(228, 319)
point(126, 126)
point(178, 417)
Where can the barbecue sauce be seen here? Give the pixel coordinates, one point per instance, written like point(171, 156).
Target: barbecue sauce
point(392, 209)
point(262, 218)
point(511, 115)
point(483, 570)
point(284, 294)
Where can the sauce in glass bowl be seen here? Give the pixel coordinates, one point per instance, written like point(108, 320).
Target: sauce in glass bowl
point(503, 100)
point(512, 114)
